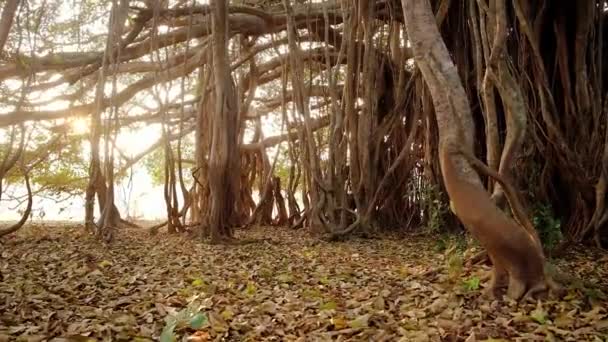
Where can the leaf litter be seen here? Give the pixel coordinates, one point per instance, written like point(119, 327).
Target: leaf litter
point(61, 285)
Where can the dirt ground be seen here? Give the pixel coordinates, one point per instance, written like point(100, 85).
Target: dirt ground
point(61, 284)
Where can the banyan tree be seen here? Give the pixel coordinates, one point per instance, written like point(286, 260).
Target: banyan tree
point(489, 115)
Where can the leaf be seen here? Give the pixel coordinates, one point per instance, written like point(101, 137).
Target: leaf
point(198, 321)
point(199, 336)
point(602, 325)
point(472, 284)
point(330, 305)
point(227, 314)
point(539, 315)
point(197, 282)
point(563, 321)
point(379, 303)
point(359, 322)
point(285, 278)
point(324, 280)
point(104, 263)
point(125, 320)
point(339, 323)
point(269, 307)
point(438, 305)
point(250, 290)
point(167, 333)
point(404, 271)
point(217, 322)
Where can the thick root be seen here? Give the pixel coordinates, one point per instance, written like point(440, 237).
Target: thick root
point(517, 288)
point(538, 290)
point(499, 280)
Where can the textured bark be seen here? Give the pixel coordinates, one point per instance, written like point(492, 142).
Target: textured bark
point(224, 174)
point(6, 21)
point(310, 157)
point(491, 55)
point(10, 158)
point(518, 261)
point(109, 216)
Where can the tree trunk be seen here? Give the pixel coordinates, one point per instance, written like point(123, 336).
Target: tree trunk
point(102, 195)
point(282, 217)
point(6, 21)
point(517, 258)
point(224, 164)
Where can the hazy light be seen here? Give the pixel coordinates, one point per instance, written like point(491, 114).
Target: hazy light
point(80, 126)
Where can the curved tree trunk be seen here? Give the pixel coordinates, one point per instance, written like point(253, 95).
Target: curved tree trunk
point(516, 255)
point(15, 227)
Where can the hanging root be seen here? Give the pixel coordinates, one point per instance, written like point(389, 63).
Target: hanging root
point(26, 213)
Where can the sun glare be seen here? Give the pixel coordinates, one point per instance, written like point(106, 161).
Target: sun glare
point(80, 126)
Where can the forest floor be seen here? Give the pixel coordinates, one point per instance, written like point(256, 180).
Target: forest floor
point(59, 282)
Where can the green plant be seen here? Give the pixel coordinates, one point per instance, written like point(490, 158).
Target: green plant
point(455, 264)
point(434, 207)
point(454, 256)
point(190, 316)
point(547, 225)
point(456, 241)
point(471, 284)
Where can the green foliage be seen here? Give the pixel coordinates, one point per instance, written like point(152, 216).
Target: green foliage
point(281, 168)
point(435, 209)
point(455, 264)
point(448, 241)
point(471, 284)
point(330, 305)
point(454, 258)
point(547, 225)
point(61, 170)
point(198, 321)
point(187, 317)
point(154, 163)
point(539, 315)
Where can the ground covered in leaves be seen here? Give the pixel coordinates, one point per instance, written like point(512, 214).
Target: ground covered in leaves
point(59, 284)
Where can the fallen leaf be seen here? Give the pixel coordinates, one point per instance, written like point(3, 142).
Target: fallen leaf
point(538, 314)
point(359, 322)
point(330, 305)
point(339, 323)
point(104, 263)
point(197, 282)
point(199, 336)
point(218, 323)
point(198, 321)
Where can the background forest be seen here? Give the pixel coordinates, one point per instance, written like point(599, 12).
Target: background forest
point(350, 168)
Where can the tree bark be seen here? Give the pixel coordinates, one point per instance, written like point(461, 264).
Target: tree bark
point(518, 260)
point(6, 22)
point(224, 164)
